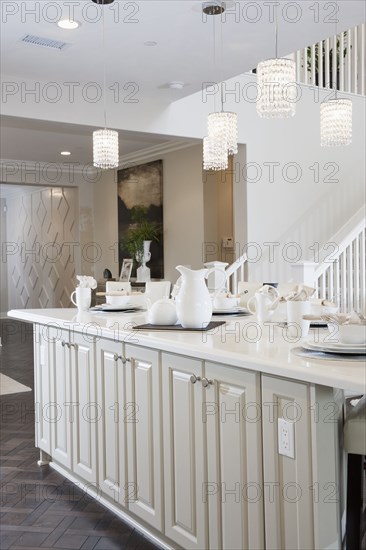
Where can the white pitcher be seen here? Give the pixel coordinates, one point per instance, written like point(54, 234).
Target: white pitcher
point(194, 302)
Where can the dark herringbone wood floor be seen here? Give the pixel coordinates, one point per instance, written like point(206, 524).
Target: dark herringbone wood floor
point(40, 509)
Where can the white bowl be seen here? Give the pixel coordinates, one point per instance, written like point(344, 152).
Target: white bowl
point(225, 302)
point(352, 334)
point(133, 300)
point(319, 310)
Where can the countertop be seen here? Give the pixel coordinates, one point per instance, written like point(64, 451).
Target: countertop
point(241, 343)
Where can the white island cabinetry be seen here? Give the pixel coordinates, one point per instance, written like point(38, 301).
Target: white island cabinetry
point(184, 447)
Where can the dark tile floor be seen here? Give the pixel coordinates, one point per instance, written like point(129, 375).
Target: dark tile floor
point(40, 509)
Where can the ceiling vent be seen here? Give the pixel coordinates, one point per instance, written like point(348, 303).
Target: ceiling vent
point(44, 42)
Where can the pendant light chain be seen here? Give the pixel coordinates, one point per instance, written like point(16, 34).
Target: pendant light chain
point(104, 71)
point(276, 78)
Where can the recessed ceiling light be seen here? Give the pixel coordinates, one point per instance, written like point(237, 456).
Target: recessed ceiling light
point(65, 153)
point(150, 43)
point(68, 24)
point(176, 85)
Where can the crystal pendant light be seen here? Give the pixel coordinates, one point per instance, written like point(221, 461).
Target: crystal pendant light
point(336, 119)
point(105, 149)
point(214, 156)
point(222, 139)
point(336, 122)
point(105, 142)
point(276, 80)
point(224, 126)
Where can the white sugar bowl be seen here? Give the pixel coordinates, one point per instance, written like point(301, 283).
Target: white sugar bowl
point(163, 312)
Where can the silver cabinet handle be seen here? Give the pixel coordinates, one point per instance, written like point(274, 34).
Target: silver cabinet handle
point(195, 378)
point(73, 346)
point(206, 382)
point(63, 344)
point(116, 357)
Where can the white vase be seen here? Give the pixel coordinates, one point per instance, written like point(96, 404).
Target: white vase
point(143, 272)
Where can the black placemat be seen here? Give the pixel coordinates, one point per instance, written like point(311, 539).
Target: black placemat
point(210, 326)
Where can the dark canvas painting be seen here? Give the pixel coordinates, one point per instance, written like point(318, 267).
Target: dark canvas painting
point(142, 185)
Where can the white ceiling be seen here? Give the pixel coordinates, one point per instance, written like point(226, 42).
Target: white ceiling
point(184, 52)
point(43, 141)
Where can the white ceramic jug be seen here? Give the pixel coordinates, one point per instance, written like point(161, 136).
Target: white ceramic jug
point(194, 302)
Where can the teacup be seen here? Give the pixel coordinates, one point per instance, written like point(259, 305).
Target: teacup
point(83, 298)
point(295, 312)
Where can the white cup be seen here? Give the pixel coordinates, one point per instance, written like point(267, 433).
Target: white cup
point(83, 298)
point(295, 312)
point(262, 309)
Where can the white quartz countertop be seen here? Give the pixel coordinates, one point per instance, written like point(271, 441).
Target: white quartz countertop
point(238, 343)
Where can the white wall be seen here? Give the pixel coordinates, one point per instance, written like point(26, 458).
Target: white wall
point(305, 211)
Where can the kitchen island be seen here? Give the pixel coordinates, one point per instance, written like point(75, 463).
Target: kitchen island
point(177, 432)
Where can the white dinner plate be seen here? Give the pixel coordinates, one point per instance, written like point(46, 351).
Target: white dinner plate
point(335, 347)
point(110, 307)
point(230, 311)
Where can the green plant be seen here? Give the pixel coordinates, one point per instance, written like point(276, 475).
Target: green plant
point(141, 230)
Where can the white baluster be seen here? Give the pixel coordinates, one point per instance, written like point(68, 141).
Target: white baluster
point(313, 65)
point(349, 58)
point(320, 65)
point(354, 64)
point(327, 64)
point(334, 63)
point(362, 59)
point(341, 62)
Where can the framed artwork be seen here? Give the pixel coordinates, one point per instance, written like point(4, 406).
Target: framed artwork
point(126, 270)
point(142, 185)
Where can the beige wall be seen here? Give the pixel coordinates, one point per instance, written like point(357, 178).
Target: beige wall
point(183, 213)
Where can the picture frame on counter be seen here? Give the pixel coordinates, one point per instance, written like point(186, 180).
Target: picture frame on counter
point(126, 270)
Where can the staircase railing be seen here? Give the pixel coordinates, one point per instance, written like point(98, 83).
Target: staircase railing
point(337, 62)
point(235, 273)
point(342, 275)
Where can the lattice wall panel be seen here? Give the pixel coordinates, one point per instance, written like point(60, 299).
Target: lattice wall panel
point(41, 273)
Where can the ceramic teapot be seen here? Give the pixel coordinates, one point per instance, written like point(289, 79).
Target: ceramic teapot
point(264, 303)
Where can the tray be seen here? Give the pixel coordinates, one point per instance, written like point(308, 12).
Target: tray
point(179, 328)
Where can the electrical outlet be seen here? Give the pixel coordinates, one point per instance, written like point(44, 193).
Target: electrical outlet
point(286, 438)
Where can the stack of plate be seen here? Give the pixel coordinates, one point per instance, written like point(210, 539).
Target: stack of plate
point(336, 347)
point(237, 310)
point(110, 307)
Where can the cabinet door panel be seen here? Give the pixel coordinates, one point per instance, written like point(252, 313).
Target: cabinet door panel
point(61, 398)
point(85, 412)
point(231, 409)
point(42, 396)
point(111, 428)
point(288, 494)
point(184, 453)
point(143, 401)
